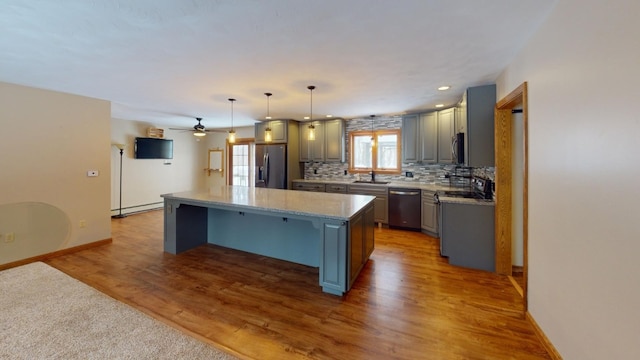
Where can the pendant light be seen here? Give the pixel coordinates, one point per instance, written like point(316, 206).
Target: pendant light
point(267, 132)
point(232, 133)
point(312, 129)
point(373, 138)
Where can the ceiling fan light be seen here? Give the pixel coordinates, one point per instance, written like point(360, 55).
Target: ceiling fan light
point(199, 133)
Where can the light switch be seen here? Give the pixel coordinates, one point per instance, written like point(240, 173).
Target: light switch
point(92, 173)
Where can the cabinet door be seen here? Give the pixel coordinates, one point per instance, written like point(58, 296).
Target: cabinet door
point(279, 131)
point(369, 230)
point(381, 209)
point(446, 131)
point(356, 247)
point(305, 148)
point(259, 132)
point(334, 140)
point(333, 258)
point(317, 146)
point(429, 138)
point(429, 214)
point(410, 138)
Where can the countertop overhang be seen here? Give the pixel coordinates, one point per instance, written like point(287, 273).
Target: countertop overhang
point(285, 202)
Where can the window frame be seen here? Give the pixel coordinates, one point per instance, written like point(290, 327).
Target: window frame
point(374, 151)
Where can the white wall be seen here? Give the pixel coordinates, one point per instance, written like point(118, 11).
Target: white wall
point(48, 142)
point(584, 223)
point(144, 180)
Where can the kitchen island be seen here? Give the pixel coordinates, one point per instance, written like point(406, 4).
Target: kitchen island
point(333, 232)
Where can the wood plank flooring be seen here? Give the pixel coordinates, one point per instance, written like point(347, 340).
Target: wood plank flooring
point(408, 303)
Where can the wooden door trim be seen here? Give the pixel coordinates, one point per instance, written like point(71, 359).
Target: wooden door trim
point(516, 99)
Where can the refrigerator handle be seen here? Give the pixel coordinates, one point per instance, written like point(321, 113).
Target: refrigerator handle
point(266, 165)
point(454, 148)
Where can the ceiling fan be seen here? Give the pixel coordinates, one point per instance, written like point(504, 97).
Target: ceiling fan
point(198, 129)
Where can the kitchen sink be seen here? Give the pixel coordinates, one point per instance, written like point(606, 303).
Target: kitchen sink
point(371, 182)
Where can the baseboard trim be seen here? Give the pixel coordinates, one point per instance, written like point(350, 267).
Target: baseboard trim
point(55, 254)
point(555, 355)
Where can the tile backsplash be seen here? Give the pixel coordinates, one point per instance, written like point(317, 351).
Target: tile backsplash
point(440, 174)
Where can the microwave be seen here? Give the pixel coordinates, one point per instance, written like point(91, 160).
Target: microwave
point(457, 147)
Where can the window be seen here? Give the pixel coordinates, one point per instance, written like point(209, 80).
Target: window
point(383, 156)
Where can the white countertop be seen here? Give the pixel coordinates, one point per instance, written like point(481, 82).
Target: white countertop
point(318, 204)
point(394, 184)
point(411, 185)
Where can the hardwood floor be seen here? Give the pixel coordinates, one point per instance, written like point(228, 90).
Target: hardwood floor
point(408, 303)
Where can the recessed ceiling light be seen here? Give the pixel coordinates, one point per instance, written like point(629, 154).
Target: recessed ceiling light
point(329, 116)
point(439, 105)
point(446, 87)
point(306, 118)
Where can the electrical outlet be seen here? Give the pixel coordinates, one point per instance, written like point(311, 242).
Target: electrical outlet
point(83, 223)
point(10, 237)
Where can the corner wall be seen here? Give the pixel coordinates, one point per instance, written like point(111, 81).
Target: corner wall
point(48, 142)
point(584, 229)
point(144, 180)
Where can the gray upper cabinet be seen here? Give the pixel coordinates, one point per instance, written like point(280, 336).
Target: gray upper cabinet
point(446, 131)
point(279, 131)
point(429, 136)
point(334, 140)
point(410, 138)
point(419, 138)
point(328, 145)
point(476, 118)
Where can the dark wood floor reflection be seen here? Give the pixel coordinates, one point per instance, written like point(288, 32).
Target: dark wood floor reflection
point(408, 302)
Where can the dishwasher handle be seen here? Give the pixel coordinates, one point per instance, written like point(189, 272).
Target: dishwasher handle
point(408, 193)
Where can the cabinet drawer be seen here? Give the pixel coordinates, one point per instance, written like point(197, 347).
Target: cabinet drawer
point(305, 186)
point(336, 188)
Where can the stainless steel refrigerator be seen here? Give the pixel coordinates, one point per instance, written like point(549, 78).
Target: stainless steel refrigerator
point(271, 166)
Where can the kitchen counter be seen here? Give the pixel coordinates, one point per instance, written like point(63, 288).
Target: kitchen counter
point(284, 202)
point(400, 184)
point(334, 232)
point(411, 185)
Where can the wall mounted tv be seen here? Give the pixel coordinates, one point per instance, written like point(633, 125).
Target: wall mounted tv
point(153, 148)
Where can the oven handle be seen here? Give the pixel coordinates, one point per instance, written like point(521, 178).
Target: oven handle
point(410, 193)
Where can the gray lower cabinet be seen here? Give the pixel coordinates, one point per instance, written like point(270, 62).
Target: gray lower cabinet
point(381, 202)
point(308, 186)
point(429, 213)
point(467, 234)
point(361, 234)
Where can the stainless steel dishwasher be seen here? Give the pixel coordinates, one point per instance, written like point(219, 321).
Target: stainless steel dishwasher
point(404, 208)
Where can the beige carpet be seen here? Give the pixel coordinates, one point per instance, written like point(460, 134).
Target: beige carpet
point(45, 314)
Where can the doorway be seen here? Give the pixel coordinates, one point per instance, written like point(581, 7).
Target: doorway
point(510, 184)
point(240, 162)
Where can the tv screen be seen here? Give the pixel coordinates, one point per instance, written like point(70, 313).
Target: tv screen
point(152, 148)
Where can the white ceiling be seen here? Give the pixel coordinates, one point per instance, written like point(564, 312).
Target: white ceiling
point(168, 61)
